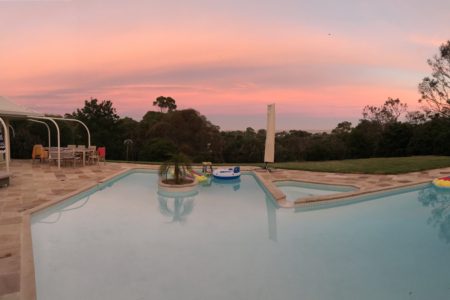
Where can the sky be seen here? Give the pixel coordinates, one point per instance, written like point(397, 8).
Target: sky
point(319, 61)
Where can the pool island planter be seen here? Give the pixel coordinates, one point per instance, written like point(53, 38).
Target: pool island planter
point(177, 188)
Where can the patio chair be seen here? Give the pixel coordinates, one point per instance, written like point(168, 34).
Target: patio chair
point(4, 178)
point(53, 154)
point(69, 156)
point(101, 154)
point(92, 154)
point(39, 153)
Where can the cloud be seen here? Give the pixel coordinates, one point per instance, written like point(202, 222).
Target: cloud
point(319, 58)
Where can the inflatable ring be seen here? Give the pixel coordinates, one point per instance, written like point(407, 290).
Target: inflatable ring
point(443, 182)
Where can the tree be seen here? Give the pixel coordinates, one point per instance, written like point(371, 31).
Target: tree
point(364, 138)
point(431, 138)
point(190, 132)
point(102, 121)
point(128, 129)
point(389, 112)
point(180, 164)
point(434, 90)
point(156, 149)
point(394, 139)
point(165, 103)
point(415, 117)
point(95, 111)
point(342, 128)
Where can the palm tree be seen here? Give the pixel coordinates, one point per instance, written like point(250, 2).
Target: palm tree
point(180, 164)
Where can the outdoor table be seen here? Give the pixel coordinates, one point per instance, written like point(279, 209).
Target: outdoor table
point(83, 152)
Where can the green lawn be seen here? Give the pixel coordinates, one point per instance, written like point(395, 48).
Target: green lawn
point(390, 165)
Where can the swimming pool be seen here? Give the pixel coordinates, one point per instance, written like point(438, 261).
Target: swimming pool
point(230, 241)
point(298, 189)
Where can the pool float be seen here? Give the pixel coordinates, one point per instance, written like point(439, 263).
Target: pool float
point(198, 176)
point(443, 182)
point(227, 173)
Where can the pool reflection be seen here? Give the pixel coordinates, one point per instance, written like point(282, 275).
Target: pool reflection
point(234, 183)
point(176, 206)
point(438, 200)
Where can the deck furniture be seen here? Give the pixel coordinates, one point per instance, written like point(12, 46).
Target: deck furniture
point(83, 153)
point(92, 154)
point(39, 153)
point(4, 178)
point(69, 155)
point(2, 157)
point(101, 154)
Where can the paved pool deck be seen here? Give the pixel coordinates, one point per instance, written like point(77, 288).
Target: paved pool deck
point(35, 185)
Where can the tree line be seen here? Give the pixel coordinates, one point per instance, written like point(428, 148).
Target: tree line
point(387, 130)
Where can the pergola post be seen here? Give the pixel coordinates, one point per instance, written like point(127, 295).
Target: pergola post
point(78, 121)
point(49, 135)
point(6, 141)
point(58, 137)
point(58, 132)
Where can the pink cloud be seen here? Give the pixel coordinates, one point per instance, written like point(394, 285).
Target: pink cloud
point(52, 60)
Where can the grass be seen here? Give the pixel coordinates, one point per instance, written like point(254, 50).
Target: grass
point(384, 165)
point(388, 165)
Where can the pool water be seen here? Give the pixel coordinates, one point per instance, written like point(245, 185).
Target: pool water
point(297, 189)
point(230, 241)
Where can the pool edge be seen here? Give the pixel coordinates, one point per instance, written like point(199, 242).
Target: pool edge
point(27, 272)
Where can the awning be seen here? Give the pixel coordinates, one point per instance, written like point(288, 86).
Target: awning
point(10, 109)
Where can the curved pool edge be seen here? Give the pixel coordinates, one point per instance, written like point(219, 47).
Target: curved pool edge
point(335, 200)
point(312, 182)
point(27, 272)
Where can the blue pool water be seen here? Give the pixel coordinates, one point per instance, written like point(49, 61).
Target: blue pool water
point(297, 189)
point(229, 241)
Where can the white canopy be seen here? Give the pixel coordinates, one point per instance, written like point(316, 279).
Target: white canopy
point(11, 109)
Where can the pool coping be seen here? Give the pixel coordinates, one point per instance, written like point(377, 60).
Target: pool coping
point(280, 197)
point(27, 270)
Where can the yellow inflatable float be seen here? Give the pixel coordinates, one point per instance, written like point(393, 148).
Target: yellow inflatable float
point(443, 182)
point(199, 177)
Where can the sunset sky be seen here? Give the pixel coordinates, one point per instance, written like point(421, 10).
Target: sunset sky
point(320, 61)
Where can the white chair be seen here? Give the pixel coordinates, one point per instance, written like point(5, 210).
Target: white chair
point(92, 154)
point(69, 156)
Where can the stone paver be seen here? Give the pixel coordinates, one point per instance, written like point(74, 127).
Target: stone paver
point(365, 183)
point(34, 184)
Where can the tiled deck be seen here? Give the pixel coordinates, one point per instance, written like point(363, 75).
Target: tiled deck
point(365, 183)
point(35, 184)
